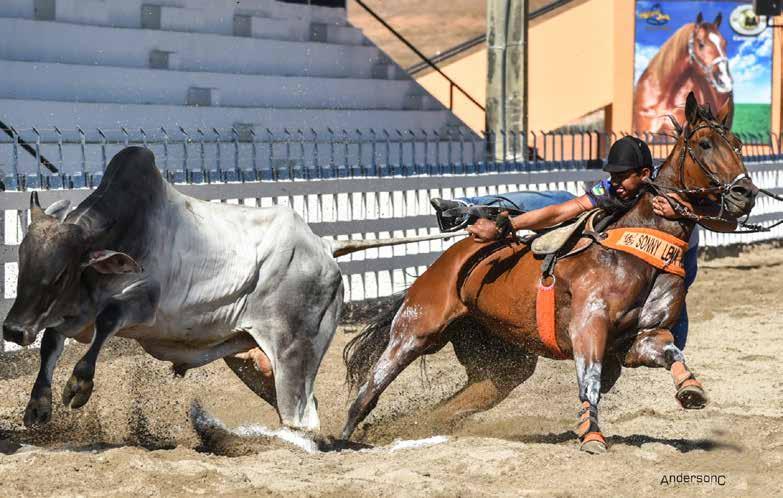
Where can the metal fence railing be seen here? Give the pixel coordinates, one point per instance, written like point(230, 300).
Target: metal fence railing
point(247, 153)
point(387, 196)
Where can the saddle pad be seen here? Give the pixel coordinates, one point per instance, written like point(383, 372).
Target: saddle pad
point(660, 249)
point(552, 241)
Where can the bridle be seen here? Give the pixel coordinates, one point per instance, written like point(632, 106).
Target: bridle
point(706, 68)
point(717, 186)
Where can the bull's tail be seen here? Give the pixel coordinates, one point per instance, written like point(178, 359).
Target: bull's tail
point(361, 353)
point(343, 247)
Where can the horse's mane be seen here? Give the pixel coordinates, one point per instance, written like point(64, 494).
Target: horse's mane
point(670, 51)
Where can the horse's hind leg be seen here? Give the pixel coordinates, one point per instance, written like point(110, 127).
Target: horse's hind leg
point(655, 348)
point(494, 368)
point(415, 329)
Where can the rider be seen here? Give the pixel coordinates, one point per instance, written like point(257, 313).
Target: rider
point(629, 164)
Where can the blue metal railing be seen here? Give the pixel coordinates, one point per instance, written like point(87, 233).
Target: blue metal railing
point(212, 155)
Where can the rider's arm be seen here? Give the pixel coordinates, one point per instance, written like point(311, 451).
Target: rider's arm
point(663, 208)
point(551, 215)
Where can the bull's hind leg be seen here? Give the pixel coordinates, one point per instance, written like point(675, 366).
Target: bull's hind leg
point(417, 327)
point(494, 368)
point(299, 343)
point(655, 348)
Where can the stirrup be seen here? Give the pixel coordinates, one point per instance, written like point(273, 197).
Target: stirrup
point(458, 218)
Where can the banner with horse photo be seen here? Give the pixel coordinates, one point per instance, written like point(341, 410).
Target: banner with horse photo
point(720, 50)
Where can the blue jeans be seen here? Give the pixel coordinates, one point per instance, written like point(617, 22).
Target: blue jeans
point(530, 200)
point(524, 201)
point(680, 329)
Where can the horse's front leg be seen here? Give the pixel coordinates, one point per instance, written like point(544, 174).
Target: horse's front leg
point(588, 331)
point(655, 348)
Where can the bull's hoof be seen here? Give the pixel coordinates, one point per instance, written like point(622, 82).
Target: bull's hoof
point(691, 395)
point(38, 411)
point(77, 392)
point(593, 443)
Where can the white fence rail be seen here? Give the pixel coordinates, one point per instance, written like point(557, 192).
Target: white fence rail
point(375, 208)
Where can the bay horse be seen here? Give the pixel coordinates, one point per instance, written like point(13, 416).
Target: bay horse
point(613, 309)
point(693, 59)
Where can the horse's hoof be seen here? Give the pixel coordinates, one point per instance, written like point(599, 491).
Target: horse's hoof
point(593, 443)
point(691, 395)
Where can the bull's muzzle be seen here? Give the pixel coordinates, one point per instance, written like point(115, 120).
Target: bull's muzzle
point(18, 334)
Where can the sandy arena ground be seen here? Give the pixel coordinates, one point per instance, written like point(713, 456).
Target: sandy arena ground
point(136, 436)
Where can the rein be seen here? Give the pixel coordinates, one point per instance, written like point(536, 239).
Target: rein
point(718, 187)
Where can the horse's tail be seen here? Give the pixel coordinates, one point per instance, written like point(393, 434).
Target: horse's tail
point(361, 353)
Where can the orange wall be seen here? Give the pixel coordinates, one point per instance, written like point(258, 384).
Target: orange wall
point(581, 59)
point(571, 61)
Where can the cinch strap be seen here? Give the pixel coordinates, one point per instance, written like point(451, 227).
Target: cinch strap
point(545, 317)
point(660, 249)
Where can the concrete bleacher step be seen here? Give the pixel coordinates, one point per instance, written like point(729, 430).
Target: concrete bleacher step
point(26, 114)
point(100, 84)
point(194, 20)
point(214, 15)
point(75, 44)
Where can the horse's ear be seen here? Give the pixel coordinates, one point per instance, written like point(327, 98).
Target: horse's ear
point(718, 19)
point(699, 18)
point(725, 113)
point(691, 109)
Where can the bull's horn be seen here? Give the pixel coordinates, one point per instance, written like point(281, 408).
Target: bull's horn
point(36, 213)
point(343, 247)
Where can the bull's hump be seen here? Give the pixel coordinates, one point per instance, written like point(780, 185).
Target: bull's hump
point(131, 184)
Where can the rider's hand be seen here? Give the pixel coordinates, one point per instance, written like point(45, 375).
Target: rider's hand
point(483, 230)
point(661, 207)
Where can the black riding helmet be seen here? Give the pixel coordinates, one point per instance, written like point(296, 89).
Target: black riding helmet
point(628, 153)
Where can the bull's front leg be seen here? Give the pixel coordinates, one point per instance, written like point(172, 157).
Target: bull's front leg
point(39, 408)
point(655, 348)
point(134, 305)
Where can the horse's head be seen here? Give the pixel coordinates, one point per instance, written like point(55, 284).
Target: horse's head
point(710, 164)
point(707, 51)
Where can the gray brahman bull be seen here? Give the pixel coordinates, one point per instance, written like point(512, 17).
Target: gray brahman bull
point(191, 281)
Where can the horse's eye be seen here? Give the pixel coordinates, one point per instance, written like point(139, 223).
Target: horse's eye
point(701, 44)
point(705, 144)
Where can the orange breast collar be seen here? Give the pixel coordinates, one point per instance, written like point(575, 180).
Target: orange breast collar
point(660, 249)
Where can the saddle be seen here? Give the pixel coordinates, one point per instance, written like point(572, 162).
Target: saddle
point(564, 235)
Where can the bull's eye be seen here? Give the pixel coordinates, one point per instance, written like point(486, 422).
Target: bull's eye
point(705, 144)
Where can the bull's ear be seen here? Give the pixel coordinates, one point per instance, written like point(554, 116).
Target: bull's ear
point(58, 209)
point(36, 213)
point(112, 262)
